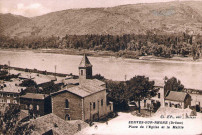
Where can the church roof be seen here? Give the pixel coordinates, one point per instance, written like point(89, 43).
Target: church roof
point(88, 88)
point(85, 62)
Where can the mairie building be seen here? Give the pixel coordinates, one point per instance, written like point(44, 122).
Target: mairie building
point(86, 101)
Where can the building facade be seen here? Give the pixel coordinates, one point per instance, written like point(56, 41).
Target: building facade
point(86, 101)
point(10, 92)
point(178, 100)
point(37, 104)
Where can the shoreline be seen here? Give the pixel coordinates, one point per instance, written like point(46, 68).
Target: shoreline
point(105, 54)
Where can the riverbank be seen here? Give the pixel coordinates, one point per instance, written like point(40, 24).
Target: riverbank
point(118, 69)
point(122, 54)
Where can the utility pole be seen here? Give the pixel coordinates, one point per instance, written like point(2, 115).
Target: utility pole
point(125, 77)
point(90, 111)
point(98, 110)
point(55, 72)
point(9, 67)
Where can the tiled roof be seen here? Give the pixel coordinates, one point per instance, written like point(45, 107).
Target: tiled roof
point(40, 79)
point(34, 96)
point(12, 87)
point(71, 81)
point(95, 82)
point(176, 96)
point(59, 126)
point(86, 89)
point(85, 62)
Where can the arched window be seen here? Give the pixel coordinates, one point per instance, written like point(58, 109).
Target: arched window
point(67, 117)
point(81, 72)
point(66, 103)
point(31, 107)
point(37, 107)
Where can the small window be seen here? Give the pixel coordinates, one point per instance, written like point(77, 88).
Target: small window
point(26, 106)
point(8, 95)
point(8, 101)
point(15, 101)
point(14, 95)
point(93, 105)
point(81, 72)
point(1, 95)
point(37, 107)
point(66, 103)
point(102, 102)
point(159, 95)
point(170, 104)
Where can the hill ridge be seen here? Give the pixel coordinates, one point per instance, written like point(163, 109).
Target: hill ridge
point(166, 17)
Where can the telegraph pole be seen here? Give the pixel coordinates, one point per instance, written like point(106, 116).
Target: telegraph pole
point(55, 72)
point(9, 67)
point(125, 77)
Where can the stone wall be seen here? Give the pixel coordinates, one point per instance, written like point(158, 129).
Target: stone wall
point(59, 107)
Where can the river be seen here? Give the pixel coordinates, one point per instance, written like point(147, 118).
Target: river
point(189, 73)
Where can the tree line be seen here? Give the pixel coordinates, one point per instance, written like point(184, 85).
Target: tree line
point(148, 44)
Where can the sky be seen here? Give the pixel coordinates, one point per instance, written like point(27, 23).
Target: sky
point(31, 8)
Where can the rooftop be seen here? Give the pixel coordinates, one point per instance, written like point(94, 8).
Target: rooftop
point(176, 96)
point(59, 126)
point(11, 87)
point(40, 79)
point(88, 88)
point(85, 62)
point(71, 81)
point(35, 96)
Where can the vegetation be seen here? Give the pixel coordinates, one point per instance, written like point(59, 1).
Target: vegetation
point(10, 124)
point(136, 89)
point(127, 45)
point(141, 88)
point(9, 120)
point(173, 84)
point(118, 94)
point(28, 83)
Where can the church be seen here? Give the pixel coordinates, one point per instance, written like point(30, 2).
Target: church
point(86, 101)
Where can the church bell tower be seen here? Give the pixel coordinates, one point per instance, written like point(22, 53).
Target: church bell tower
point(85, 69)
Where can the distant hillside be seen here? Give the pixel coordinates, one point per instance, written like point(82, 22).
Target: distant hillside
point(8, 20)
point(172, 17)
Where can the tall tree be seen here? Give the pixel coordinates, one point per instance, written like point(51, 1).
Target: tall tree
point(140, 88)
point(118, 93)
point(172, 84)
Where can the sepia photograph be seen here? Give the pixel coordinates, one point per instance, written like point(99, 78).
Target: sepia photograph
point(100, 67)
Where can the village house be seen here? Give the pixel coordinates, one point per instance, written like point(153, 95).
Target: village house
point(154, 102)
point(178, 99)
point(85, 101)
point(38, 104)
point(196, 96)
point(10, 91)
point(170, 99)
